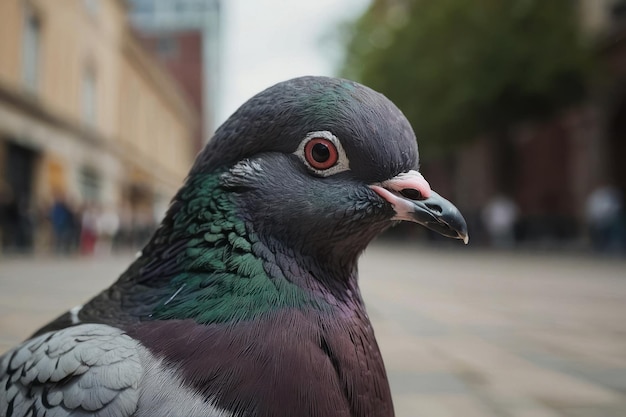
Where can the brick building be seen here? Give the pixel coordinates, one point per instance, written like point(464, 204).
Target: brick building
point(185, 35)
point(181, 54)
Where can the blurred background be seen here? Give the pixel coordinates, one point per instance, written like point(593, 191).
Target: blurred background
point(520, 112)
point(105, 103)
point(519, 107)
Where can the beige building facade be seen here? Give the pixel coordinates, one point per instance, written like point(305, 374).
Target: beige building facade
point(85, 112)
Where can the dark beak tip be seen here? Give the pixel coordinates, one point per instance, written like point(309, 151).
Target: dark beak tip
point(447, 220)
point(459, 226)
point(458, 230)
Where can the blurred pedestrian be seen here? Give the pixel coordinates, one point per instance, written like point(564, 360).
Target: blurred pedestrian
point(499, 217)
point(88, 229)
point(123, 239)
point(108, 223)
point(605, 219)
point(63, 222)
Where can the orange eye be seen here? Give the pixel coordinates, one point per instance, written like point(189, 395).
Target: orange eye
point(321, 153)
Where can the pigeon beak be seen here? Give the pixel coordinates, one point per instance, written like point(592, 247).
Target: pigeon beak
point(412, 199)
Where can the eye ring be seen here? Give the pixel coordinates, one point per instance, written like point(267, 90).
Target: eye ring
point(321, 153)
point(330, 157)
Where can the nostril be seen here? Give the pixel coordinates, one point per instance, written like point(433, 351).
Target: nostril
point(435, 208)
point(411, 193)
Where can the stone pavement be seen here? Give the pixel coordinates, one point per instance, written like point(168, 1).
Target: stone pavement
point(463, 332)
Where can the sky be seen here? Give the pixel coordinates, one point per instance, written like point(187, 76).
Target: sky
point(268, 41)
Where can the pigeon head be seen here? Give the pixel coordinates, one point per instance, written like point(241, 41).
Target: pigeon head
point(324, 165)
point(291, 189)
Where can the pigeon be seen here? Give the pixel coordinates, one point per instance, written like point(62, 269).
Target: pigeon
point(245, 301)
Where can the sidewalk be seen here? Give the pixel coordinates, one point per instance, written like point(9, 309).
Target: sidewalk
point(464, 333)
point(482, 334)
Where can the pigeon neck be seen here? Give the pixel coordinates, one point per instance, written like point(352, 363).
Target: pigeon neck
point(223, 271)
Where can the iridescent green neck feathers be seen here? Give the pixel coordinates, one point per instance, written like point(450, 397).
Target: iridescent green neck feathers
point(223, 266)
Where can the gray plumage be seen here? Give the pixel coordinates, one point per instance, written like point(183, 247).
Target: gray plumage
point(40, 375)
point(93, 370)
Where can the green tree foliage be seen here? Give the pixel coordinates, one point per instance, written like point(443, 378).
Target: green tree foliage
point(458, 68)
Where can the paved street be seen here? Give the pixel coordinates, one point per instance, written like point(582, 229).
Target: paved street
point(463, 332)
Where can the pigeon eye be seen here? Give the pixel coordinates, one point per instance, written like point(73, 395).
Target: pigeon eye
point(321, 153)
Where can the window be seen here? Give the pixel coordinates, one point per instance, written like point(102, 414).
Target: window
point(89, 97)
point(30, 50)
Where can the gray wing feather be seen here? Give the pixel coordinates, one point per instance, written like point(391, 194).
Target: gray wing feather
point(91, 369)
